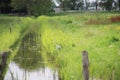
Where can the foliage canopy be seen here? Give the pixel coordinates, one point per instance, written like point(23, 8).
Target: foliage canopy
point(34, 7)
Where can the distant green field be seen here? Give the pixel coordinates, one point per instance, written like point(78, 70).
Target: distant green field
point(64, 37)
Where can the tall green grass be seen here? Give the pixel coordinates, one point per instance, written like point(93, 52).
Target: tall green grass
point(74, 35)
point(11, 29)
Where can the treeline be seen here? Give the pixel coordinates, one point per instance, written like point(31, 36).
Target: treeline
point(5, 6)
point(85, 4)
point(30, 7)
point(39, 7)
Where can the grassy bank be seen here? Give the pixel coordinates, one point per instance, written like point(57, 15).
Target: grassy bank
point(65, 37)
point(11, 29)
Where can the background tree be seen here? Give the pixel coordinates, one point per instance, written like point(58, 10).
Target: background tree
point(71, 4)
point(87, 3)
point(96, 4)
point(80, 5)
point(119, 4)
point(5, 6)
point(107, 4)
point(34, 7)
point(41, 7)
point(64, 4)
point(0, 5)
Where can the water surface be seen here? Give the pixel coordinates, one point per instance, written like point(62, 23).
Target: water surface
point(29, 63)
point(43, 73)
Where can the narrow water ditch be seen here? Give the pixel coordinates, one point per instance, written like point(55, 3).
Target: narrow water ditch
point(29, 64)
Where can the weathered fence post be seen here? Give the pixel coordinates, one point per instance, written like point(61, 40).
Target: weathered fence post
point(10, 28)
point(4, 56)
point(85, 62)
point(113, 73)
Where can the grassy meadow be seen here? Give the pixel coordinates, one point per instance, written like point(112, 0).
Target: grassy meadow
point(94, 32)
point(65, 36)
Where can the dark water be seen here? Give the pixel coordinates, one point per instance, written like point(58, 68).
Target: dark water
point(29, 63)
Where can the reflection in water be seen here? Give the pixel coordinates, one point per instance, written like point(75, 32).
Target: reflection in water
point(29, 63)
point(16, 73)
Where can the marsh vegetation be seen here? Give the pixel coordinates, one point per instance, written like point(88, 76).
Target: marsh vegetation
point(38, 39)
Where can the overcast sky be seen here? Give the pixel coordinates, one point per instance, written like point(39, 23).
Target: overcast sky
point(91, 0)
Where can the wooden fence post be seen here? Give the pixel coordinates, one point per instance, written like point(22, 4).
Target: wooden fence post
point(4, 60)
point(113, 73)
point(85, 62)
